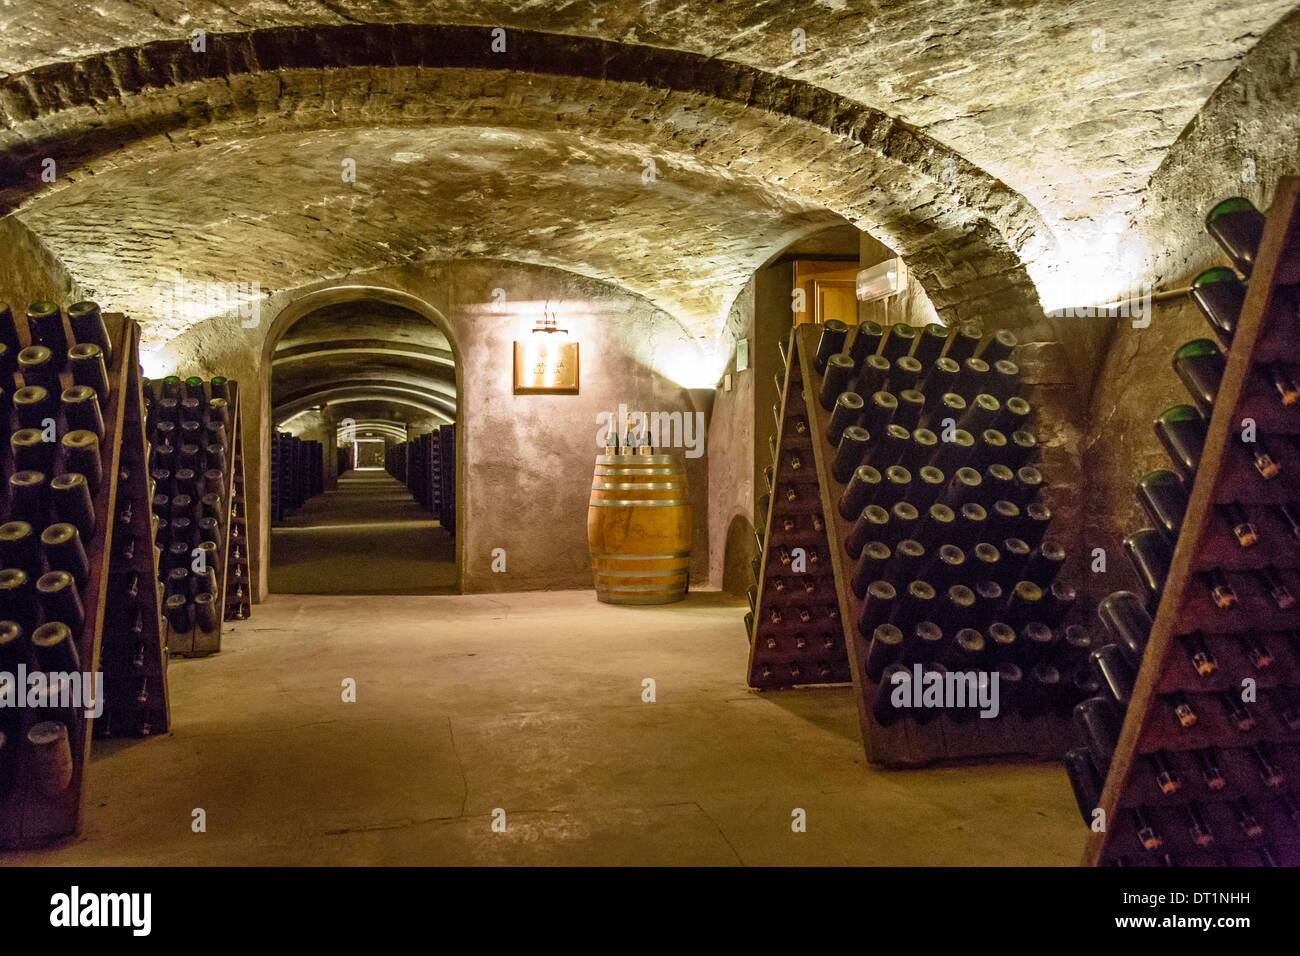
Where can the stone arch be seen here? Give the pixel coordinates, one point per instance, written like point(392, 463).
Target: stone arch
point(969, 238)
point(308, 303)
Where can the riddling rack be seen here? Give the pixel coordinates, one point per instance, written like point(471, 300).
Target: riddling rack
point(795, 632)
point(427, 466)
point(297, 474)
point(1203, 768)
point(94, 551)
point(936, 539)
point(238, 603)
point(194, 427)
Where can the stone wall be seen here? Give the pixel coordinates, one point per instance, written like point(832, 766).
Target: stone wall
point(527, 460)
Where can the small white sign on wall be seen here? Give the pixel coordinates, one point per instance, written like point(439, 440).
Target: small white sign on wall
point(742, 355)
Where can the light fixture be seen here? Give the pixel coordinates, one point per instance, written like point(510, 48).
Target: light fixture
point(547, 323)
point(885, 279)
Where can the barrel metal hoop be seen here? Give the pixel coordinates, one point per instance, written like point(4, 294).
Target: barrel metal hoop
point(633, 485)
point(637, 459)
point(639, 557)
point(621, 503)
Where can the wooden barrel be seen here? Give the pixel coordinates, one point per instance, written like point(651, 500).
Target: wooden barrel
point(639, 529)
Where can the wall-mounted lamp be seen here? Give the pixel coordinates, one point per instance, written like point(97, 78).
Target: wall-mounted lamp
point(547, 362)
point(879, 281)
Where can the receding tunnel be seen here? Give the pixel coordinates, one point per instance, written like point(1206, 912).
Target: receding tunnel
point(357, 384)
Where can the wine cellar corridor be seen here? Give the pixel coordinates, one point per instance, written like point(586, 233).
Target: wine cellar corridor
point(617, 434)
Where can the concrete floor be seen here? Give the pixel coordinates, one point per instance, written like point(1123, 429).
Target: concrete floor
point(530, 703)
point(368, 536)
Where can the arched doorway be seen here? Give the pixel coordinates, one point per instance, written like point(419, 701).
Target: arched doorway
point(353, 375)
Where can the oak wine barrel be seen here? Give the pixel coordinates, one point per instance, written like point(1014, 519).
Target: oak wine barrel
point(639, 529)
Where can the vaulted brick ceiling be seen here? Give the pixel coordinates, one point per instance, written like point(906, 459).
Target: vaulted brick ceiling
point(1037, 126)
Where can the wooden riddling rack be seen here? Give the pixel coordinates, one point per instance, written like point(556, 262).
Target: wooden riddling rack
point(237, 598)
point(1033, 725)
point(1267, 331)
point(427, 466)
point(784, 648)
point(120, 547)
point(183, 622)
point(297, 474)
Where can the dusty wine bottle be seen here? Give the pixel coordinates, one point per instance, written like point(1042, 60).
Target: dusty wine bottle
point(862, 489)
point(1237, 226)
point(904, 374)
point(886, 648)
point(1198, 653)
point(834, 333)
point(916, 603)
point(905, 562)
point(86, 363)
point(45, 323)
point(930, 481)
point(1284, 382)
point(882, 707)
point(872, 565)
point(866, 341)
point(911, 403)
point(848, 411)
point(963, 344)
point(850, 452)
point(1220, 295)
point(1015, 557)
point(1084, 781)
point(63, 549)
point(900, 339)
point(954, 449)
point(1163, 497)
point(873, 376)
point(1151, 556)
point(870, 526)
point(895, 488)
point(1200, 365)
point(877, 607)
point(919, 449)
point(1181, 430)
point(60, 599)
point(1114, 673)
point(1127, 622)
point(839, 378)
point(940, 378)
point(1098, 722)
point(1221, 590)
point(82, 455)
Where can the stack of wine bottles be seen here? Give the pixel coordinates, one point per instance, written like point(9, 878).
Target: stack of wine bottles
point(69, 544)
point(239, 588)
point(193, 427)
point(1191, 754)
point(795, 632)
point(297, 473)
point(427, 466)
point(924, 456)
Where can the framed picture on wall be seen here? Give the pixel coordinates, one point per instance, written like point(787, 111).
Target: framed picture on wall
point(546, 367)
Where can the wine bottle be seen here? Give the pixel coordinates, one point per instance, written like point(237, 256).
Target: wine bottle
point(850, 452)
point(834, 334)
point(60, 599)
point(916, 603)
point(1221, 591)
point(1098, 722)
point(911, 405)
point(937, 528)
point(971, 379)
point(999, 485)
point(882, 706)
point(877, 607)
point(45, 323)
point(1003, 379)
point(1198, 831)
point(905, 562)
point(1199, 654)
point(972, 520)
point(879, 412)
point(989, 600)
point(929, 343)
point(88, 326)
point(925, 645)
point(1243, 530)
point(1181, 708)
point(1266, 462)
point(899, 341)
point(1208, 762)
point(1164, 498)
point(1114, 673)
point(904, 374)
point(848, 411)
point(1246, 819)
point(864, 485)
point(1044, 564)
point(963, 344)
point(1058, 599)
point(940, 378)
point(872, 565)
point(886, 648)
point(1151, 556)
point(895, 486)
point(1200, 365)
point(1266, 765)
point(1275, 588)
point(1257, 652)
point(1220, 295)
point(86, 363)
point(954, 450)
point(870, 526)
point(1284, 382)
point(866, 341)
point(839, 378)
point(904, 522)
point(1237, 226)
point(1085, 782)
point(873, 376)
point(929, 483)
point(1015, 556)
point(919, 450)
point(1035, 644)
point(63, 549)
point(1163, 772)
point(56, 648)
point(1181, 430)
point(890, 445)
